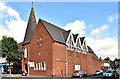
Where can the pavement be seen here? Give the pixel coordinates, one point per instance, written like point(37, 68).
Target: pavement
point(20, 75)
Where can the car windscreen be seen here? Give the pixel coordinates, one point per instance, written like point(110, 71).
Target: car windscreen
point(109, 71)
point(82, 72)
point(97, 70)
point(76, 72)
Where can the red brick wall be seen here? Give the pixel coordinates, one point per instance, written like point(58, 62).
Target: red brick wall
point(87, 63)
point(70, 60)
point(59, 52)
point(45, 50)
point(84, 62)
point(93, 64)
point(24, 60)
point(50, 51)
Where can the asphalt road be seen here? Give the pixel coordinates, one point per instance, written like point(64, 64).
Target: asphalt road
point(89, 77)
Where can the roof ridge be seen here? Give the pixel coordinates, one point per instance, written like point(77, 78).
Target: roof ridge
point(53, 24)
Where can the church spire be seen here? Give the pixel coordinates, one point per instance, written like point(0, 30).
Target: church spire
point(32, 4)
point(30, 26)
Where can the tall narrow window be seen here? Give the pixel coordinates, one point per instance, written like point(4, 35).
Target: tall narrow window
point(39, 66)
point(78, 46)
point(84, 49)
point(25, 53)
point(70, 43)
point(34, 66)
point(44, 65)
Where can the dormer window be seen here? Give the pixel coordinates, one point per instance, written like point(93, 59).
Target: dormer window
point(78, 46)
point(84, 48)
point(70, 44)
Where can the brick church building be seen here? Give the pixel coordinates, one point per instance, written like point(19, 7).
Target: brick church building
point(51, 51)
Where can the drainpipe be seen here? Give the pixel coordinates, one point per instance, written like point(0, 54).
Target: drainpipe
point(86, 62)
point(28, 59)
point(74, 59)
point(65, 63)
point(81, 60)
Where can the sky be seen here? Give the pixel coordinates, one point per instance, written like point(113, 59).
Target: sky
point(97, 21)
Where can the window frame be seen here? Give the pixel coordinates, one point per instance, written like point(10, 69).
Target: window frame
point(45, 65)
point(39, 66)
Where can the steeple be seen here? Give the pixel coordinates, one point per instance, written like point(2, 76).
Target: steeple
point(32, 4)
point(30, 27)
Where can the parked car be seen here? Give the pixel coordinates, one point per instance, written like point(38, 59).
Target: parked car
point(110, 73)
point(79, 74)
point(98, 72)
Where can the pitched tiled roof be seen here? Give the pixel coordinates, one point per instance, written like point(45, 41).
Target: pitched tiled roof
point(30, 27)
point(58, 34)
point(65, 35)
point(91, 51)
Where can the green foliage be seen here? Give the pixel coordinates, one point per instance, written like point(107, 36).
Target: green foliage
point(116, 63)
point(9, 49)
point(107, 59)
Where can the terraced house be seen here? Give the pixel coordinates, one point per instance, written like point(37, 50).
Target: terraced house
point(50, 50)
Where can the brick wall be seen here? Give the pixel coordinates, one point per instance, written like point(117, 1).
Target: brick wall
point(93, 64)
point(59, 59)
point(50, 51)
point(45, 50)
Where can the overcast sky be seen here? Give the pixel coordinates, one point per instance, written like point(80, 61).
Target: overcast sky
point(97, 21)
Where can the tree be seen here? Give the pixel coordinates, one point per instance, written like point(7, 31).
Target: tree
point(107, 59)
point(116, 63)
point(9, 49)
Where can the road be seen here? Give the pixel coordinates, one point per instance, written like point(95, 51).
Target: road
point(89, 77)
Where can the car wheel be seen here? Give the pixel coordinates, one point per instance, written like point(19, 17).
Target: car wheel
point(80, 76)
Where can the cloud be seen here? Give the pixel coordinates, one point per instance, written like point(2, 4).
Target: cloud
point(16, 26)
point(76, 27)
point(112, 18)
point(107, 47)
point(17, 29)
point(91, 25)
point(13, 13)
point(2, 6)
point(98, 32)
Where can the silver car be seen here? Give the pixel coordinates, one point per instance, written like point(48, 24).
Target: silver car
point(79, 74)
point(110, 73)
point(98, 72)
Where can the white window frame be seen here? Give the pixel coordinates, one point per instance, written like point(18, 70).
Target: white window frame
point(44, 65)
point(25, 53)
point(78, 48)
point(34, 66)
point(39, 66)
point(84, 44)
point(69, 45)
